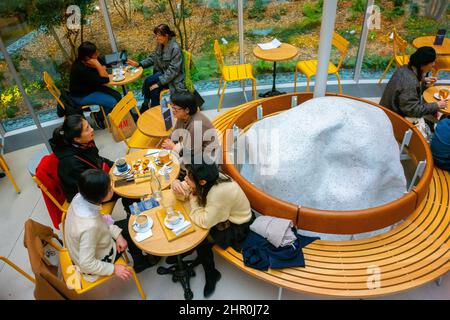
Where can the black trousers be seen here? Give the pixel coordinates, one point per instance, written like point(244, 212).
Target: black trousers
point(135, 252)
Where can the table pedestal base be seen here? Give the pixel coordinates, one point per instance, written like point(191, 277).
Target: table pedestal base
point(271, 93)
point(181, 272)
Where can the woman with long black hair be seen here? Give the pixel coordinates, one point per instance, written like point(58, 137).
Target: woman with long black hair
point(168, 67)
point(219, 204)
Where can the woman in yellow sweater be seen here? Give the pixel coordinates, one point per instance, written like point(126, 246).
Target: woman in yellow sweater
point(219, 204)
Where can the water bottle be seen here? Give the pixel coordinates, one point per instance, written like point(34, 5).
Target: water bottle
point(156, 186)
point(166, 173)
point(136, 209)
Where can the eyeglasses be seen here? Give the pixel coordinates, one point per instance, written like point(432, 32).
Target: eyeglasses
point(176, 109)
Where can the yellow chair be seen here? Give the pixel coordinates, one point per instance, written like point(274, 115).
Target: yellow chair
point(4, 166)
point(56, 93)
point(237, 72)
point(442, 64)
point(309, 67)
point(187, 66)
point(15, 267)
point(400, 57)
point(80, 285)
point(138, 140)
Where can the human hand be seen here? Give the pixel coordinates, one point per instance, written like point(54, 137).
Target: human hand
point(168, 144)
point(93, 63)
point(132, 63)
point(123, 272)
point(154, 86)
point(430, 80)
point(121, 244)
point(442, 104)
point(178, 188)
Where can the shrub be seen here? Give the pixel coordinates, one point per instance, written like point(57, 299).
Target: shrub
point(257, 10)
point(215, 17)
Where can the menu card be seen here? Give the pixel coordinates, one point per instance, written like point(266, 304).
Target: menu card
point(275, 43)
point(439, 40)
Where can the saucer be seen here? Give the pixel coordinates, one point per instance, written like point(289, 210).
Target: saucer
point(161, 171)
point(149, 226)
point(118, 78)
point(438, 97)
point(117, 173)
point(168, 225)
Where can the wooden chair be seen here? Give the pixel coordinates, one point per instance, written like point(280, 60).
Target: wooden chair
point(138, 140)
point(56, 93)
point(17, 268)
point(4, 166)
point(236, 72)
point(81, 286)
point(309, 67)
point(400, 57)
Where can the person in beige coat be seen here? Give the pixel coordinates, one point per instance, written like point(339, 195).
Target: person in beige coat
point(95, 241)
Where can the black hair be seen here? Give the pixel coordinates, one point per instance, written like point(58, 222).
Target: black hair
point(94, 185)
point(71, 128)
point(422, 57)
point(185, 100)
point(202, 191)
point(164, 30)
point(86, 50)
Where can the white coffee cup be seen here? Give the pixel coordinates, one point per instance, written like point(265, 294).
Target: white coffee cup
point(142, 221)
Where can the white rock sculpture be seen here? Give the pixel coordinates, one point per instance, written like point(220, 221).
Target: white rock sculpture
point(333, 153)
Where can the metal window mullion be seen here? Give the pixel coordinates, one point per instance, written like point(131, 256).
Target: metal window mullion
point(362, 42)
point(109, 29)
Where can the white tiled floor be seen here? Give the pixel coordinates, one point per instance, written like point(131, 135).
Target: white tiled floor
point(235, 284)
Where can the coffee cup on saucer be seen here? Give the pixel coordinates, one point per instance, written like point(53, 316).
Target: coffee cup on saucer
point(172, 216)
point(164, 156)
point(121, 165)
point(142, 221)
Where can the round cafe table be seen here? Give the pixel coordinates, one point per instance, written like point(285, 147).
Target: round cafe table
point(428, 97)
point(151, 123)
point(129, 77)
point(138, 190)
point(428, 41)
point(158, 244)
point(284, 52)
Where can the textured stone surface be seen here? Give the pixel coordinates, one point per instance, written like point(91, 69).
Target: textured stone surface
point(334, 153)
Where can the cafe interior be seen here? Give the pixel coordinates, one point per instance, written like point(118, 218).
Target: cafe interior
point(341, 154)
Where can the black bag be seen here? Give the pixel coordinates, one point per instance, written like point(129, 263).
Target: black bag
point(70, 107)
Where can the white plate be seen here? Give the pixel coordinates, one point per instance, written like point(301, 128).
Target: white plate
point(117, 173)
point(118, 78)
point(150, 225)
point(169, 170)
point(168, 225)
point(438, 97)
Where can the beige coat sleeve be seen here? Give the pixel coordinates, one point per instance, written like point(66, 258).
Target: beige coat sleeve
point(88, 262)
point(215, 211)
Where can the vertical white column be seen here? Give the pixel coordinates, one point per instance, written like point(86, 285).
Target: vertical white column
point(326, 36)
point(240, 4)
point(108, 26)
point(17, 80)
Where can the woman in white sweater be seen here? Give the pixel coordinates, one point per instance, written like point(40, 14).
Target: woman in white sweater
point(95, 241)
point(219, 204)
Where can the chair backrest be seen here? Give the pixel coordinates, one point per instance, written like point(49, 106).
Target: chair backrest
point(121, 109)
point(187, 71)
point(48, 285)
point(50, 84)
point(218, 54)
point(342, 45)
point(399, 47)
point(48, 181)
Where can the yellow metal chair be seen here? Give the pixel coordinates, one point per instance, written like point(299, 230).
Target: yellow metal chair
point(187, 66)
point(4, 166)
point(138, 140)
point(309, 67)
point(56, 93)
point(400, 57)
point(237, 72)
point(18, 269)
point(78, 283)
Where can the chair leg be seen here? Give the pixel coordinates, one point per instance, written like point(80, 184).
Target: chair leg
point(254, 88)
point(386, 71)
point(221, 96)
point(307, 84)
point(220, 83)
point(106, 118)
point(295, 80)
point(138, 285)
point(15, 267)
point(5, 168)
point(339, 82)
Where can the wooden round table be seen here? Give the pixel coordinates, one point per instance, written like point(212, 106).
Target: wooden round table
point(284, 52)
point(428, 97)
point(138, 190)
point(129, 77)
point(158, 244)
point(151, 123)
point(428, 41)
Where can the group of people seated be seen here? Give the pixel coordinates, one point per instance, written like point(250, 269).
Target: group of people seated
point(96, 241)
point(89, 76)
point(403, 95)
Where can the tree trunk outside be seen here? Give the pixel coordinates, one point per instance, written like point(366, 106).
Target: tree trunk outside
point(436, 8)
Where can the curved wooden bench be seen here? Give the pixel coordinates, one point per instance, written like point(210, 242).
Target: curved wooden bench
point(413, 253)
